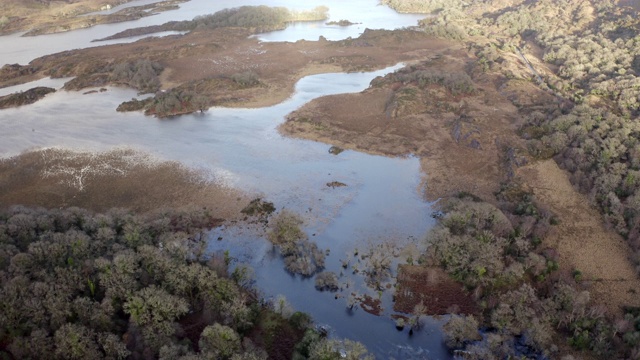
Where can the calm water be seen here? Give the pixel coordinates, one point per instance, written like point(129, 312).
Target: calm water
point(16, 49)
point(242, 148)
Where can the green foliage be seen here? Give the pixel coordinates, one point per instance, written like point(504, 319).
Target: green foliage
point(461, 330)
point(74, 283)
point(472, 244)
point(419, 6)
point(219, 341)
point(261, 17)
point(421, 75)
point(300, 255)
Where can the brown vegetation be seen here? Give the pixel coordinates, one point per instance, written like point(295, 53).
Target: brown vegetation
point(222, 66)
point(469, 141)
point(39, 17)
point(54, 178)
point(458, 125)
point(432, 287)
point(24, 97)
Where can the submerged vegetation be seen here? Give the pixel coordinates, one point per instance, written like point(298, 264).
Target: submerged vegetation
point(301, 256)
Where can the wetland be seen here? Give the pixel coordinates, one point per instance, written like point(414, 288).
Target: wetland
point(409, 186)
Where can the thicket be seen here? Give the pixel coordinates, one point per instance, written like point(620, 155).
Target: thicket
point(260, 18)
point(75, 285)
point(25, 97)
point(175, 102)
point(301, 256)
point(419, 6)
point(141, 75)
point(525, 300)
point(422, 76)
point(593, 47)
point(598, 69)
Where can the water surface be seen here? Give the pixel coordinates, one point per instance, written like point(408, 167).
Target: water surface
point(242, 148)
point(381, 203)
point(17, 49)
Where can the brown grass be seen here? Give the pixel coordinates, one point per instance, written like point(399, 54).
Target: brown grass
point(432, 287)
point(41, 178)
point(422, 127)
point(581, 239)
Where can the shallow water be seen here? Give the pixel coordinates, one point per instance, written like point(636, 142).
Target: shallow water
point(242, 148)
point(17, 49)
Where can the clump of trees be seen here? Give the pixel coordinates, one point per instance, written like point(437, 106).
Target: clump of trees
point(77, 285)
point(602, 151)
point(418, 6)
point(327, 280)
point(524, 300)
point(141, 75)
point(176, 102)
point(259, 18)
point(301, 256)
point(593, 48)
point(423, 76)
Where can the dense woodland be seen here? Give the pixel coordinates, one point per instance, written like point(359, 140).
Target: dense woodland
point(529, 307)
point(77, 285)
point(591, 50)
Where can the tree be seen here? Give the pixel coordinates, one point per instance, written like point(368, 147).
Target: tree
point(219, 342)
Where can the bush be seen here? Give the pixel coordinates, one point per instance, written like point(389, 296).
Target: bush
point(327, 280)
point(300, 255)
point(460, 331)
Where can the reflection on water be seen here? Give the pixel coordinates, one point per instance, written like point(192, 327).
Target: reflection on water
point(243, 148)
point(16, 49)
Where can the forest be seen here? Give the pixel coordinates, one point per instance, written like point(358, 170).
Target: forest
point(79, 285)
point(590, 54)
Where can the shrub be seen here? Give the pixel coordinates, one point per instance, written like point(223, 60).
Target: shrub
point(300, 255)
point(327, 280)
point(460, 331)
